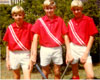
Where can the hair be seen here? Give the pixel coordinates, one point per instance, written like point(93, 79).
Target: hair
point(49, 3)
point(17, 9)
point(76, 3)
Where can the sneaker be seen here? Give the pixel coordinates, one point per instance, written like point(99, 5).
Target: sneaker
point(77, 77)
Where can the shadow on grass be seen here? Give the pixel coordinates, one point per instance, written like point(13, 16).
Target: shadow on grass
point(96, 78)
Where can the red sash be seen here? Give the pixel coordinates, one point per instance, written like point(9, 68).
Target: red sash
point(19, 43)
point(80, 41)
point(49, 33)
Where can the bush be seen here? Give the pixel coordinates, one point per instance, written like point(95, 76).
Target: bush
point(33, 10)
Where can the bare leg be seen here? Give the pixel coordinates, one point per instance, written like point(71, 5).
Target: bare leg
point(57, 71)
point(27, 74)
point(75, 70)
point(45, 70)
point(16, 74)
point(89, 70)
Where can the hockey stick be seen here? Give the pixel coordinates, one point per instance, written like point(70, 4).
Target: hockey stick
point(64, 71)
point(37, 66)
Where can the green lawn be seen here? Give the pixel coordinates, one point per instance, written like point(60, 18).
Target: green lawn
point(5, 74)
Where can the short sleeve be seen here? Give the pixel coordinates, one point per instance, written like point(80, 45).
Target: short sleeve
point(6, 38)
point(36, 27)
point(92, 27)
point(31, 33)
point(64, 28)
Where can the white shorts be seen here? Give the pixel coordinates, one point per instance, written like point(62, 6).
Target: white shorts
point(77, 52)
point(47, 54)
point(19, 58)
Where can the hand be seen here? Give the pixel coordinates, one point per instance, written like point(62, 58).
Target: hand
point(31, 64)
point(83, 58)
point(33, 59)
point(69, 58)
point(8, 64)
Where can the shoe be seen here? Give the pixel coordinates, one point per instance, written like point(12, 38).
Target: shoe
point(77, 77)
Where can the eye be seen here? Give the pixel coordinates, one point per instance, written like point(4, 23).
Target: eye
point(15, 15)
point(47, 8)
point(51, 8)
point(76, 9)
point(20, 14)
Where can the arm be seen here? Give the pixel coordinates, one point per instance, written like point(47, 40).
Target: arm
point(34, 48)
point(33, 52)
point(7, 53)
point(89, 45)
point(69, 58)
point(7, 58)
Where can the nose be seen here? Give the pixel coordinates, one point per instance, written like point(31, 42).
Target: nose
point(18, 16)
point(49, 10)
point(76, 11)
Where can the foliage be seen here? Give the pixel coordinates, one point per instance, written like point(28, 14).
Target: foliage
point(92, 11)
point(4, 22)
point(34, 10)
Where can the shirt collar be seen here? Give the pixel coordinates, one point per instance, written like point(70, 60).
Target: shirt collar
point(83, 17)
point(14, 25)
point(55, 18)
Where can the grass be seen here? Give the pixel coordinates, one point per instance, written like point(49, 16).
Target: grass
point(5, 74)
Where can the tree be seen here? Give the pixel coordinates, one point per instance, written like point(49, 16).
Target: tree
point(91, 9)
point(34, 10)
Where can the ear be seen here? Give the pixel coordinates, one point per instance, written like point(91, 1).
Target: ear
point(23, 13)
point(12, 15)
point(54, 7)
point(81, 8)
point(71, 9)
point(44, 8)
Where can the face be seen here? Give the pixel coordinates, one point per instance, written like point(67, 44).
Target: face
point(18, 17)
point(49, 11)
point(77, 11)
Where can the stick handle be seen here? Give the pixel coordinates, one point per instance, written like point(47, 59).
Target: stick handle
point(37, 66)
point(64, 71)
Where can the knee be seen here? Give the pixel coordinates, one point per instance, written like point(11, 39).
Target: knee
point(57, 72)
point(90, 76)
point(16, 76)
point(46, 73)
